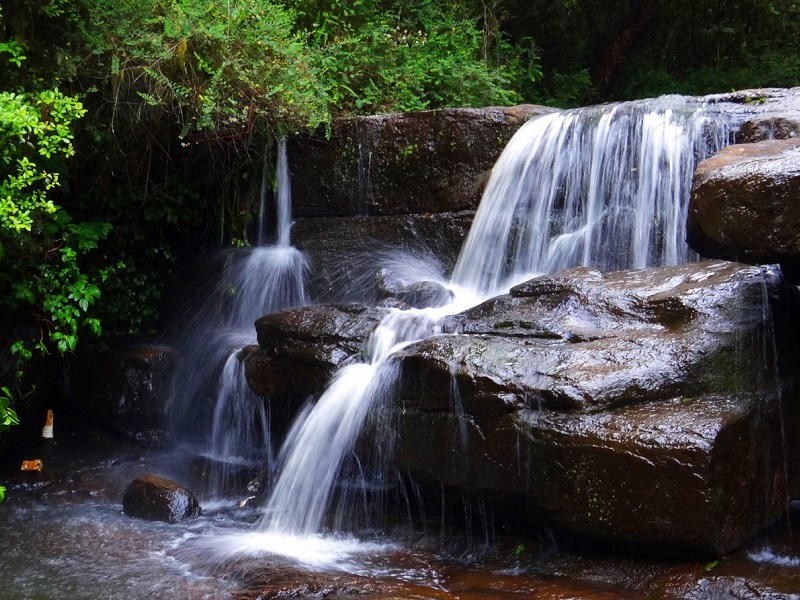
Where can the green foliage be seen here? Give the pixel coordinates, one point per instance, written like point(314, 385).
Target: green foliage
point(374, 58)
point(226, 67)
point(34, 135)
point(132, 290)
point(14, 51)
point(62, 290)
point(8, 417)
point(40, 246)
point(41, 243)
point(215, 66)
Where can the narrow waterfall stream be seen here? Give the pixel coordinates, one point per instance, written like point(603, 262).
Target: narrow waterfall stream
point(254, 282)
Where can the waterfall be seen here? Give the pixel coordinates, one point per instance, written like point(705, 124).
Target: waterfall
point(213, 408)
point(603, 186)
point(324, 434)
point(283, 196)
point(283, 201)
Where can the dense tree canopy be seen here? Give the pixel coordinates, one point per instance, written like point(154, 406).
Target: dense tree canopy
point(168, 105)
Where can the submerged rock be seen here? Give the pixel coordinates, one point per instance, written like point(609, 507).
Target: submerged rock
point(637, 408)
point(155, 498)
point(745, 207)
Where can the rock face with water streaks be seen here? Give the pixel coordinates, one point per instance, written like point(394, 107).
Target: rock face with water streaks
point(746, 205)
point(299, 349)
point(419, 162)
point(636, 408)
point(155, 498)
point(410, 180)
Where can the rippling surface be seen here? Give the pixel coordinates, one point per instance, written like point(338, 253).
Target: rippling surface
point(63, 535)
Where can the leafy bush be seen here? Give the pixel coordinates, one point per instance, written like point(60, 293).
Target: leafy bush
point(39, 244)
point(229, 68)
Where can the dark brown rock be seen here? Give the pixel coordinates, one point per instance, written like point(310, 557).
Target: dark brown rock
point(345, 253)
point(419, 162)
point(745, 205)
point(301, 348)
point(125, 389)
point(424, 294)
point(421, 294)
point(637, 408)
point(155, 498)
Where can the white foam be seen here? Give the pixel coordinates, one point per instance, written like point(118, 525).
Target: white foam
point(312, 551)
point(767, 556)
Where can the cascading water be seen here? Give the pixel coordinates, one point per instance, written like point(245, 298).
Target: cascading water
point(235, 434)
point(604, 186)
point(324, 434)
point(546, 207)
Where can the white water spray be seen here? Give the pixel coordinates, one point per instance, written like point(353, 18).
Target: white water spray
point(255, 282)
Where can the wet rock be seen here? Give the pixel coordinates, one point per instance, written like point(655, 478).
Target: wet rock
point(125, 390)
point(155, 498)
point(421, 294)
point(425, 294)
point(301, 348)
point(768, 113)
point(387, 284)
point(407, 163)
point(769, 128)
point(633, 408)
point(345, 253)
point(744, 205)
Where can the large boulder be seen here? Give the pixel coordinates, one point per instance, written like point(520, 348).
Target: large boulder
point(300, 349)
point(406, 163)
point(125, 389)
point(638, 408)
point(745, 205)
point(155, 498)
